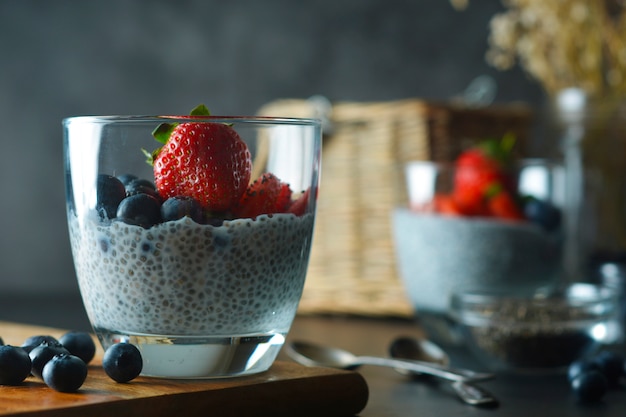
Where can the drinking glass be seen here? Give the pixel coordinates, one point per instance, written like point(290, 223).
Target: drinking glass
point(200, 296)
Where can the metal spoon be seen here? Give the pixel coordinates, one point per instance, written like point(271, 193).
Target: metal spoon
point(418, 349)
point(409, 348)
point(314, 355)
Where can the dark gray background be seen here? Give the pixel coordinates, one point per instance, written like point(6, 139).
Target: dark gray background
point(63, 58)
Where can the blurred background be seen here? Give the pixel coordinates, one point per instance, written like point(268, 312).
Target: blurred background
point(67, 58)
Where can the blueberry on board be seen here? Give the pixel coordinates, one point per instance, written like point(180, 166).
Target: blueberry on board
point(122, 362)
point(590, 386)
point(65, 373)
point(79, 344)
point(542, 213)
point(175, 208)
point(140, 210)
point(34, 341)
point(15, 365)
point(110, 192)
point(611, 364)
point(40, 355)
point(142, 186)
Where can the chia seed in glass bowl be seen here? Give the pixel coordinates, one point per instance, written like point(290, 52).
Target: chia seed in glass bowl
point(545, 332)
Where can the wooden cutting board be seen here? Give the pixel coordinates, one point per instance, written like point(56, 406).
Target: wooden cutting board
point(287, 389)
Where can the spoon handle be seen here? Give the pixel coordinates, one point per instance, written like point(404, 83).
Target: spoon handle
point(473, 394)
point(470, 375)
point(423, 368)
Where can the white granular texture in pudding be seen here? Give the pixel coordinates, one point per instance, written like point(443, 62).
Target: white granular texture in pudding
point(183, 278)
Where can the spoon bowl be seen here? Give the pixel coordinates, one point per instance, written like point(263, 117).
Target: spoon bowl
point(410, 348)
point(313, 355)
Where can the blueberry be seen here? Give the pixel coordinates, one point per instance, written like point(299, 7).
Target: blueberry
point(611, 364)
point(175, 208)
point(110, 192)
point(65, 373)
point(1, 342)
point(40, 355)
point(126, 178)
point(15, 365)
point(590, 386)
point(122, 362)
point(542, 213)
point(581, 366)
point(142, 186)
point(215, 221)
point(34, 341)
point(79, 344)
point(141, 210)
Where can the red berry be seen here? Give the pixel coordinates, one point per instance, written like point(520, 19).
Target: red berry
point(446, 204)
point(502, 205)
point(479, 171)
point(298, 207)
point(469, 202)
point(206, 161)
point(266, 195)
point(475, 174)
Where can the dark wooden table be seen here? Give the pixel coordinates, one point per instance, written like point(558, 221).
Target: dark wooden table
point(391, 394)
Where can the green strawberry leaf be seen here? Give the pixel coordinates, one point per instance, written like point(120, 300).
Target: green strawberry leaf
point(163, 132)
point(500, 150)
point(507, 143)
point(493, 190)
point(151, 156)
point(200, 110)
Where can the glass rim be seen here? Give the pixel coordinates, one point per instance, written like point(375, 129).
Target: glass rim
point(258, 120)
point(577, 292)
point(593, 299)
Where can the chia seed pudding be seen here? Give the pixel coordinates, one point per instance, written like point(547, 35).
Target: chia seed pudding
point(191, 234)
point(183, 278)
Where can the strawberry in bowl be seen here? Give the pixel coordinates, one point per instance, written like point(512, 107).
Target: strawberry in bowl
point(484, 221)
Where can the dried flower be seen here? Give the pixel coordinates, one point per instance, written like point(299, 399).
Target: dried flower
point(562, 43)
point(459, 4)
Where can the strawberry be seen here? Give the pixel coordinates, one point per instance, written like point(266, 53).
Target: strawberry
point(266, 195)
point(445, 204)
point(478, 170)
point(298, 207)
point(206, 161)
point(504, 206)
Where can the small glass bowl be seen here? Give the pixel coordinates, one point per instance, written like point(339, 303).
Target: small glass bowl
point(541, 333)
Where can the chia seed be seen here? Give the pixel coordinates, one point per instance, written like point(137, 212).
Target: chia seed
point(532, 334)
point(244, 276)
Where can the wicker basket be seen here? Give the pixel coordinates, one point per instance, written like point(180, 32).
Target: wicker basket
point(352, 267)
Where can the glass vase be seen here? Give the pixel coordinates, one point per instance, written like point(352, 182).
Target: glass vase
point(592, 134)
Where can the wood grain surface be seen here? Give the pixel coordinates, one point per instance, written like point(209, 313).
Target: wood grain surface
point(287, 389)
